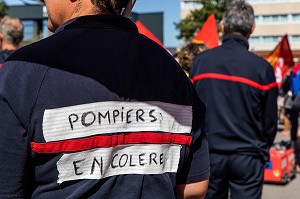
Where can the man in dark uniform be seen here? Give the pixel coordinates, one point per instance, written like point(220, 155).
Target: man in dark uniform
point(98, 110)
point(11, 35)
point(240, 93)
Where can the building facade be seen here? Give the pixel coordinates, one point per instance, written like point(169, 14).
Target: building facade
point(186, 6)
point(273, 18)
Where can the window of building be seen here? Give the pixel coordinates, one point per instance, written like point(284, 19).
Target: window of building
point(29, 29)
point(267, 39)
point(266, 18)
point(295, 38)
point(271, 39)
point(257, 19)
point(274, 18)
point(295, 17)
point(190, 4)
point(254, 40)
point(283, 18)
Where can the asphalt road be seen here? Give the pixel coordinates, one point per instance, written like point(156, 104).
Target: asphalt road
point(288, 191)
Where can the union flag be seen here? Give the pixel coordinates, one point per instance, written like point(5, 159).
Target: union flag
point(208, 34)
point(145, 31)
point(281, 58)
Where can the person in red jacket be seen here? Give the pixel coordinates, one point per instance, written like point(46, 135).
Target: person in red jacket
point(240, 93)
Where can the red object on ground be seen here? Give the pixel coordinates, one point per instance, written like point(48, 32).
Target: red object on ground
point(281, 167)
point(291, 164)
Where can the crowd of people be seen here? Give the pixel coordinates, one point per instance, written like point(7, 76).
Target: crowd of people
point(97, 110)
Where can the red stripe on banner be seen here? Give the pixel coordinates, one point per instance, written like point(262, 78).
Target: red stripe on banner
point(234, 79)
point(105, 141)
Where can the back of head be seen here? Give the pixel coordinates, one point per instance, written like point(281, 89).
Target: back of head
point(238, 18)
point(61, 11)
point(12, 30)
point(187, 54)
point(110, 6)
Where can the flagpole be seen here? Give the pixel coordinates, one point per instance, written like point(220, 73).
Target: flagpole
point(126, 12)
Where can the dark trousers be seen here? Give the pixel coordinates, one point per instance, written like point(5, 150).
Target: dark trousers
point(293, 117)
point(240, 176)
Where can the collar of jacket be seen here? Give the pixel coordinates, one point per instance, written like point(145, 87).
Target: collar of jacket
point(232, 39)
point(104, 21)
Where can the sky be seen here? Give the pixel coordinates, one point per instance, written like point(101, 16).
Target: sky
point(170, 8)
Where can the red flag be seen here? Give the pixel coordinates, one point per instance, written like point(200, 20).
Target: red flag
point(208, 34)
point(145, 31)
point(281, 58)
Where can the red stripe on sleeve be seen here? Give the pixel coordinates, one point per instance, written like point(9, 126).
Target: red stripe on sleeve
point(234, 79)
point(105, 141)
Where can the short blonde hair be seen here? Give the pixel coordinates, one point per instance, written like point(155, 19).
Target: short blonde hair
point(187, 54)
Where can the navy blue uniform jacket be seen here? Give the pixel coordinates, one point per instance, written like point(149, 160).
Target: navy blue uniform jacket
point(98, 110)
point(240, 94)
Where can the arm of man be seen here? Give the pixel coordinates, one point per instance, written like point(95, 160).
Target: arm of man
point(192, 179)
point(270, 107)
point(19, 85)
point(197, 183)
point(14, 150)
point(192, 191)
point(13, 154)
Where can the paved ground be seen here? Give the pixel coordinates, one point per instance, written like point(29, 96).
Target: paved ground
point(288, 191)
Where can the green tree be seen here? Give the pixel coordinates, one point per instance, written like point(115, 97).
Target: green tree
point(194, 21)
point(3, 8)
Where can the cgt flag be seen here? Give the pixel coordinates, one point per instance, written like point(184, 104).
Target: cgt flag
point(208, 34)
point(281, 58)
point(145, 31)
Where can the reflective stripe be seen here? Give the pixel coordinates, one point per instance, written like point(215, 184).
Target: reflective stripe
point(234, 79)
point(110, 141)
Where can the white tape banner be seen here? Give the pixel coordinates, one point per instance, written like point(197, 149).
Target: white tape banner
point(115, 116)
point(129, 159)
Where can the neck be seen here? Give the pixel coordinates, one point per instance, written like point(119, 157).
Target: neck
point(6, 46)
point(83, 8)
point(239, 34)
